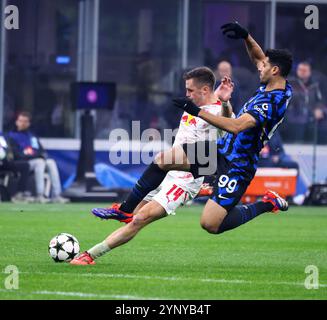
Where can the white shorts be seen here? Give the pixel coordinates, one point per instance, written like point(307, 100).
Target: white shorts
point(173, 192)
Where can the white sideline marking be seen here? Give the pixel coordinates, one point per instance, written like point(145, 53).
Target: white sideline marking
point(83, 295)
point(95, 295)
point(130, 276)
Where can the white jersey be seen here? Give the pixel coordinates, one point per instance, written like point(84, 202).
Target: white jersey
point(178, 187)
point(191, 130)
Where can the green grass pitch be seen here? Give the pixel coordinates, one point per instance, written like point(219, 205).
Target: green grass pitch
point(171, 259)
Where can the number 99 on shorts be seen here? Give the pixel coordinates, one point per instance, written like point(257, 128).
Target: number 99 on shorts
point(227, 183)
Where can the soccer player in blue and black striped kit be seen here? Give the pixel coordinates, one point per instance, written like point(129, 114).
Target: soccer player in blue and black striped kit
point(236, 154)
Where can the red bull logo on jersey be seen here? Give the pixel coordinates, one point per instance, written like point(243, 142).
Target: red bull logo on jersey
point(189, 120)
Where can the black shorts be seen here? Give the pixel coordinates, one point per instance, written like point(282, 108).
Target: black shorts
point(205, 160)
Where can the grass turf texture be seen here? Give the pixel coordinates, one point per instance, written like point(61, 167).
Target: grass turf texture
point(170, 259)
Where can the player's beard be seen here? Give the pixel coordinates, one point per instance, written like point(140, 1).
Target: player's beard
point(264, 81)
point(266, 77)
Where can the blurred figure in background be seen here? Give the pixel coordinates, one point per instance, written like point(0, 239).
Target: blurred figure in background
point(273, 155)
point(26, 146)
point(45, 104)
point(307, 107)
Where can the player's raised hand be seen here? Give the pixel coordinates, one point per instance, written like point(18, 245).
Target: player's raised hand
point(187, 105)
point(234, 30)
point(225, 89)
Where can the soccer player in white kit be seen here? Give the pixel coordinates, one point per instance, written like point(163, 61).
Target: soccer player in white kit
point(178, 187)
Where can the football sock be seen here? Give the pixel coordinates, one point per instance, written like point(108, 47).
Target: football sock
point(98, 250)
point(150, 180)
point(242, 214)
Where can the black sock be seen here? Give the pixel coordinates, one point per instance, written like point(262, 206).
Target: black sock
point(242, 214)
point(150, 180)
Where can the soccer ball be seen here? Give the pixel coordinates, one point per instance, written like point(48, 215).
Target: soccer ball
point(63, 247)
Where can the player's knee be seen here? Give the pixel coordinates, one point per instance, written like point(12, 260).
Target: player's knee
point(160, 161)
point(39, 161)
point(209, 227)
point(50, 162)
point(39, 164)
point(139, 221)
point(144, 217)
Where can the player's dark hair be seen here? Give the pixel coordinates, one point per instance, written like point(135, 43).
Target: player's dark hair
point(25, 114)
point(281, 58)
point(202, 75)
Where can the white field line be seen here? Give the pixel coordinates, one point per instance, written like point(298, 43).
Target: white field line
point(82, 295)
point(140, 277)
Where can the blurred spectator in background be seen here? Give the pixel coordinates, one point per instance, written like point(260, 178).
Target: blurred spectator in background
point(146, 76)
point(306, 108)
point(273, 155)
point(18, 168)
point(224, 69)
point(26, 146)
point(318, 124)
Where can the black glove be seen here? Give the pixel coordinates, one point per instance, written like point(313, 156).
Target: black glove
point(234, 30)
point(187, 105)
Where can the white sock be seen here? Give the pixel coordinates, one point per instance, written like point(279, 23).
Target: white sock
point(98, 250)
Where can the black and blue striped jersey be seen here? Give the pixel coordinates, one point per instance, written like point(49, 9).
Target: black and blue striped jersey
point(242, 149)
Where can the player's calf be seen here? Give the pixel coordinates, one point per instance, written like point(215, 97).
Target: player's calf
point(239, 215)
point(214, 220)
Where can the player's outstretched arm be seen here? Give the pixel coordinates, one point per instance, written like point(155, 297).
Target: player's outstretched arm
point(232, 125)
point(234, 30)
point(254, 50)
point(244, 122)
